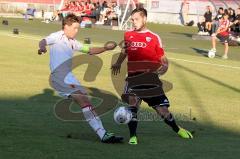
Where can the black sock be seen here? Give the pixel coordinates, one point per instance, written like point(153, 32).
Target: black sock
point(132, 125)
point(171, 122)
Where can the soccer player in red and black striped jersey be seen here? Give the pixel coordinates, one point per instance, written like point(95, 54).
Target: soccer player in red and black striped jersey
point(145, 55)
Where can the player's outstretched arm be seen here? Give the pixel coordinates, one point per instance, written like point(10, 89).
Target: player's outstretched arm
point(111, 45)
point(96, 50)
point(42, 47)
point(117, 66)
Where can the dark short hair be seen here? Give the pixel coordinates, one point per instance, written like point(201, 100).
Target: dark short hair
point(142, 11)
point(221, 8)
point(226, 11)
point(69, 20)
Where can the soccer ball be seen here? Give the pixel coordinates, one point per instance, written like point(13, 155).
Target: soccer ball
point(122, 115)
point(238, 40)
point(211, 54)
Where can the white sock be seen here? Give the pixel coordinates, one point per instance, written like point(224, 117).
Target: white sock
point(94, 121)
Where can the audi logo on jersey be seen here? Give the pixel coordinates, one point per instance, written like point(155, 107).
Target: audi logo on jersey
point(138, 44)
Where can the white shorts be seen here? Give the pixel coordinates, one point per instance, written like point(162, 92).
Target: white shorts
point(66, 87)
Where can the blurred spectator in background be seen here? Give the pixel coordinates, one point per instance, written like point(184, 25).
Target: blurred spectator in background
point(231, 14)
point(113, 14)
point(29, 13)
point(90, 12)
point(114, 10)
point(219, 15)
point(104, 5)
point(201, 26)
point(215, 23)
point(184, 12)
point(97, 11)
point(208, 20)
point(205, 26)
point(108, 13)
point(103, 13)
point(235, 26)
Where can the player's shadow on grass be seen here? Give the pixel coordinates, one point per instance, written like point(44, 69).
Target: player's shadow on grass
point(202, 52)
point(46, 96)
point(27, 122)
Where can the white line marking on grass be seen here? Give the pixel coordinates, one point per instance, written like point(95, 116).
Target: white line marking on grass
point(205, 63)
point(171, 48)
point(21, 37)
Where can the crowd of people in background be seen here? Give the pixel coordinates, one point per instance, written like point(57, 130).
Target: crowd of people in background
point(106, 12)
point(101, 13)
point(210, 24)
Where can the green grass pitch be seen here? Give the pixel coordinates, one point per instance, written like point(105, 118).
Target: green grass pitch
point(205, 98)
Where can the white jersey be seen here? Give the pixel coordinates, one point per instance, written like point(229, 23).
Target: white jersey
point(61, 54)
point(61, 48)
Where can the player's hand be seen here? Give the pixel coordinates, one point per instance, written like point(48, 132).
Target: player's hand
point(116, 68)
point(164, 66)
point(42, 47)
point(42, 51)
point(110, 45)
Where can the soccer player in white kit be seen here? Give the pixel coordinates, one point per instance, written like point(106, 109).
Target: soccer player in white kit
point(62, 46)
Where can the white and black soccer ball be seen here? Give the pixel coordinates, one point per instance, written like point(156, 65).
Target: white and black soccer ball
point(211, 54)
point(122, 115)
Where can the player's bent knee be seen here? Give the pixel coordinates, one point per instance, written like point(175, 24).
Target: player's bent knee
point(130, 99)
point(80, 98)
point(163, 112)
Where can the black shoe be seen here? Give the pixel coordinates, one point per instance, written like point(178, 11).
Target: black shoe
point(111, 138)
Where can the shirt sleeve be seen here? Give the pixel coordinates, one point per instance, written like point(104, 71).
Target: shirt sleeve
point(80, 47)
point(159, 47)
point(77, 46)
point(51, 39)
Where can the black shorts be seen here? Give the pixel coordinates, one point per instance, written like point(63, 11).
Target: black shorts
point(223, 39)
point(157, 100)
